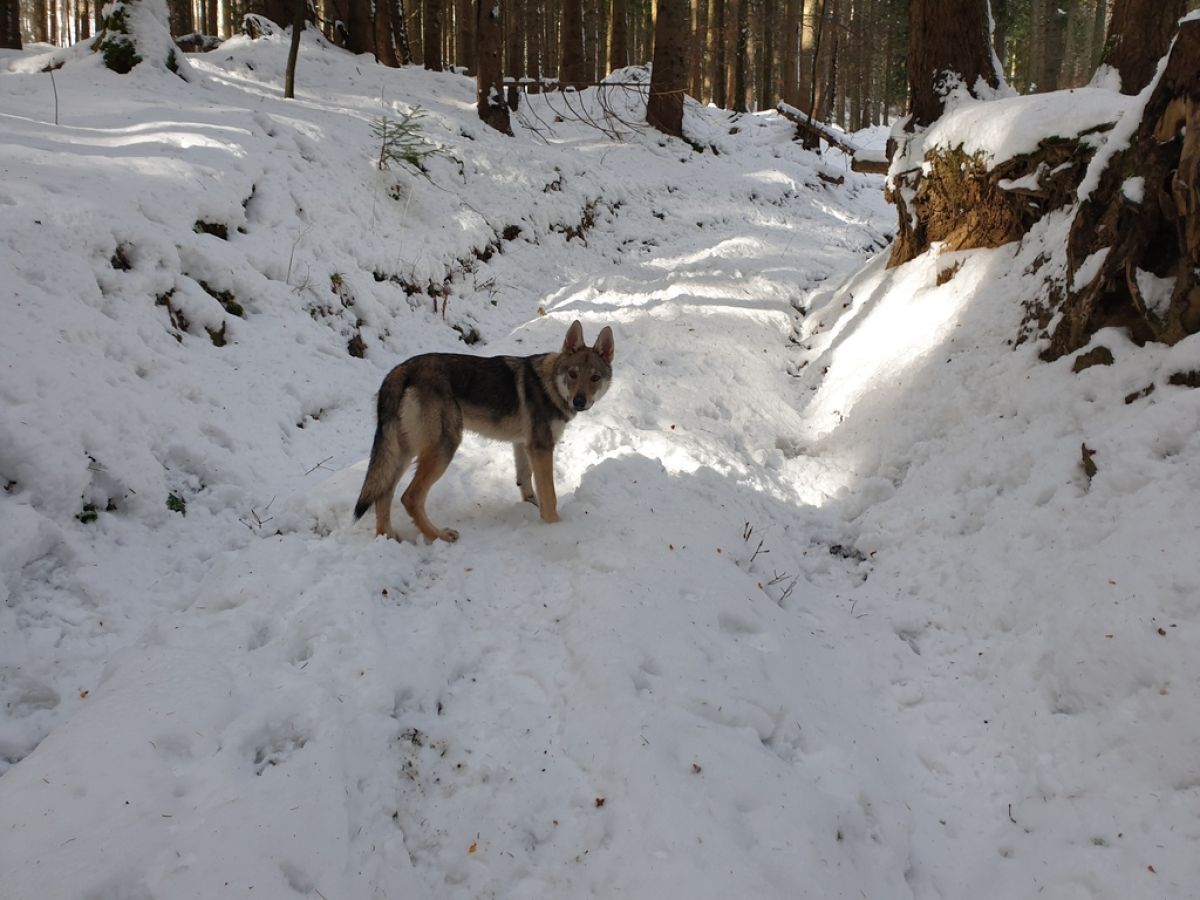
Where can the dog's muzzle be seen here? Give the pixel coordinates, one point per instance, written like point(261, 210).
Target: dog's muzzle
point(580, 402)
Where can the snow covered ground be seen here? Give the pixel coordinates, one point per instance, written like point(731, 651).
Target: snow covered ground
point(833, 610)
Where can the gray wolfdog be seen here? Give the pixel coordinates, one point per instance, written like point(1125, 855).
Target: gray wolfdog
point(427, 401)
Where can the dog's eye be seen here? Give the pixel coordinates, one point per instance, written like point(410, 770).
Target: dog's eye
point(595, 378)
point(572, 373)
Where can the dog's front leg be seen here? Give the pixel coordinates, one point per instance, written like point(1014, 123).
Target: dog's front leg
point(543, 482)
point(524, 474)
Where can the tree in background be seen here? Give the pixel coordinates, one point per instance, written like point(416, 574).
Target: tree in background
point(489, 80)
point(431, 35)
point(10, 24)
point(741, 55)
point(299, 13)
point(572, 72)
point(464, 35)
point(1138, 37)
point(669, 72)
point(618, 36)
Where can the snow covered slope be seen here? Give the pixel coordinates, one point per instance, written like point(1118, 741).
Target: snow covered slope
point(836, 618)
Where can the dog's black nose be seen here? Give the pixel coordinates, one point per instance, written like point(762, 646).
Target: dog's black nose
point(580, 401)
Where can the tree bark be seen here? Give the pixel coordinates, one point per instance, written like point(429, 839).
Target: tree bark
point(431, 35)
point(696, 50)
point(669, 71)
point(716, 38)
point(514, 56)
point(572, 72)
point(946, 36)
point(299, 13)
point(767, 91)
point(741, 54)
point(618, 36)
point(10, 24)
point(489, 82)
point(400, 34)
point(464, 38)
point(1139, 34)
point(791, 51)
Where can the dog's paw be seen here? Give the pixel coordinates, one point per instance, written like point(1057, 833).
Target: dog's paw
point(449, 535)
point(550, 516)
point(530, 498)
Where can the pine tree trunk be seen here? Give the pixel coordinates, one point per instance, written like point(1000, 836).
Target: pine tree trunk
point(1099, 20)
point(489, 82)
point(10, 24)
point(431, 35)
point(791, 51)
point(1138, 37)
point(1000, 30)
point(946, 36)
point(767, 91)
point(400, 40)
point(696, 51)
point(618, 36)
point(1054, 45)
point(716, 39)
point(741, 54)
point(299, 12)
point(385, 45)
point(804, 85)
point(514, 55)
point(572, 72)
point(535, 52)
point(669, 71)
point(464, 37)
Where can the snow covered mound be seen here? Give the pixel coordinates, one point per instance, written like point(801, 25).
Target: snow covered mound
point(835, 609)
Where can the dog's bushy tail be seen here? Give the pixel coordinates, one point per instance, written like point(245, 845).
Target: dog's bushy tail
point(387, 462)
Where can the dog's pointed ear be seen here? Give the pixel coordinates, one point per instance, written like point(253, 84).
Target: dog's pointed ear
point(574, 338)
point(604, 344)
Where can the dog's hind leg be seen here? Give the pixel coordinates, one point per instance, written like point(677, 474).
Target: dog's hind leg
point(524, 474)
point(431, 465)
point(440, 439)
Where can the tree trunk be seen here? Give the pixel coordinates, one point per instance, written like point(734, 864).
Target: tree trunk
point(1054, 45)
point(804, 84)
point(669, 71)
point(489, 82)
point(716, 39)
point(618, 36)
point(431, 35)
point(10, 24)
point(1157, 234)
point(791, 51)
point(464, 38)
point(514, 56)
point(399, 23)
point(535, 52)
point(1138, 37)
point(1100, 14)
point(572, 72)
point(767, 92)
point(299, 12)
point(696, 50)
point(741, 61)
point(946, 36)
